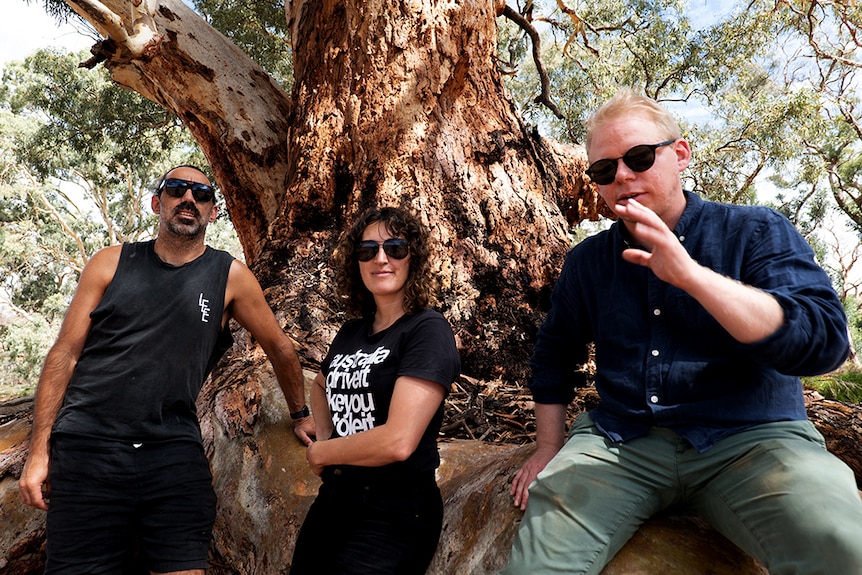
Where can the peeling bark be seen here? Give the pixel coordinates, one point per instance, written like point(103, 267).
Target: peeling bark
point(235, 111)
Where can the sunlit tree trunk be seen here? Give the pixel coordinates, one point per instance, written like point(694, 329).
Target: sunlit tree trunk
point(400, 103)
point(394, 103)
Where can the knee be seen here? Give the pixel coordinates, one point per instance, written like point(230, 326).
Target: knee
point(828, 548)
point(840, 548)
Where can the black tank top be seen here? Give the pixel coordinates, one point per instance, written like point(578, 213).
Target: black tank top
point(155, 336)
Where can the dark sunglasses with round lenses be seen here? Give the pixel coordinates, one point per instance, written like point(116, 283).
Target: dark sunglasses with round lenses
point(638, 159)
point(395, 248)
point(176, 188)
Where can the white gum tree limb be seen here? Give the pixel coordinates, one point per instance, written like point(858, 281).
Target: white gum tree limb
point(115, 24)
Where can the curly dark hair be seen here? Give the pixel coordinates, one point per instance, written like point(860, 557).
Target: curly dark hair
point(419, 290)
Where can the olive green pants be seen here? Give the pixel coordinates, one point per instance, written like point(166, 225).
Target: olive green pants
point(772, 489)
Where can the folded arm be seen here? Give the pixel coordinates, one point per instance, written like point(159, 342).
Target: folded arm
point(414, 403)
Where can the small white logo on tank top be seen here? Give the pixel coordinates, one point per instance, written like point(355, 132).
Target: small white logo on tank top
point(205, 308)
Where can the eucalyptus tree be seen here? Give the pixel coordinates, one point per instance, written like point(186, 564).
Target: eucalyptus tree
point(767, 93)
point(79, 156)
point(391, 102)
point(403, 102)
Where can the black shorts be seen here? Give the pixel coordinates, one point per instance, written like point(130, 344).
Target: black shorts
point(116, 508)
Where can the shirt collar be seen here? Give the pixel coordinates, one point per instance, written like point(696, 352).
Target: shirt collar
point(693, 208)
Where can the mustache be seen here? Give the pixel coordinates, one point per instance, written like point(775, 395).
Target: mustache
point(188, 206)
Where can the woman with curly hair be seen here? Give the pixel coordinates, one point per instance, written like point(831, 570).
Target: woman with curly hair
point(378, 407)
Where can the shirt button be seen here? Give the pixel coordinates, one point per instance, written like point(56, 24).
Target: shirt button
point(654, 398)
point(654, 353)
point(656, 312)
point(682, 238)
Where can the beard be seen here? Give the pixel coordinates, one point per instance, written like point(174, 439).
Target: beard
point(182, 226)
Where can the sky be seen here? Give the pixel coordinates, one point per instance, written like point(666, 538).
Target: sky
point(26, 28)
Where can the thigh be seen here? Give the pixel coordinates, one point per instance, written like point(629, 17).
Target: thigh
point(91, 512)
point(591, 498)
point(782, 497)
point(365, 529)
point(397, 532)
point(320, 538)
point(177, 506)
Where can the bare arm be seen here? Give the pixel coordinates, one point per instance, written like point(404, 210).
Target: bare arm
point(747, 313)
point(414, 403)
point(320, 408)
point(245, 302)
point(550, 436)
point(57, 370)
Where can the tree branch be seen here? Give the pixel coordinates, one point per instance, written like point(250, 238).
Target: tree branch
point(144, 39)
point(545, 96)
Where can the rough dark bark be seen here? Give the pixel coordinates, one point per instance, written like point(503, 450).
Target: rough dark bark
point(393, 103)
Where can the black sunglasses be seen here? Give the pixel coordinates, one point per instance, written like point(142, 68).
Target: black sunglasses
point(395, 248)
point(638, 159)
point(176, 188)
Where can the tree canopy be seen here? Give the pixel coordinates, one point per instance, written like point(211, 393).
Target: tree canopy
point(776, 85)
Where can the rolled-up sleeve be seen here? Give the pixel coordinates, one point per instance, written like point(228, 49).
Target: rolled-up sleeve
point(814, 337)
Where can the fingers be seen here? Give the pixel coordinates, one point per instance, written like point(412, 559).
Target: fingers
point(525, 476)
point(634, 211)
point(520, 490)
point(303, 437)
point(305, 430)
point(638, 257)
point(33, 497)
point(33, 486)
point(641, 222)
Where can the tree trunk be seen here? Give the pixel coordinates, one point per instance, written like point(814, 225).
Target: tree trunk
point(235, 111)
point(393, 103)
point(398, 103)
point(265, 489)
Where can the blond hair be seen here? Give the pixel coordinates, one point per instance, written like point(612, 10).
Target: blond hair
point(628, 102)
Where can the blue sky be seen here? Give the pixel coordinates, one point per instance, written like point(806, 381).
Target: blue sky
point(706, 12)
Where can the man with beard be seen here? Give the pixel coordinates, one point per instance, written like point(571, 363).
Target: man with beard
point(116, 456)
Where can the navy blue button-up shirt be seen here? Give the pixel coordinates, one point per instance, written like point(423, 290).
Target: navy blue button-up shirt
point(661, 359)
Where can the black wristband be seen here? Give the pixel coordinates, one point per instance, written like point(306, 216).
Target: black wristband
point(301, 413)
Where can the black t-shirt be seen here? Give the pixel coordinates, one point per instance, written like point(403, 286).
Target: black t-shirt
point(361, 370)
